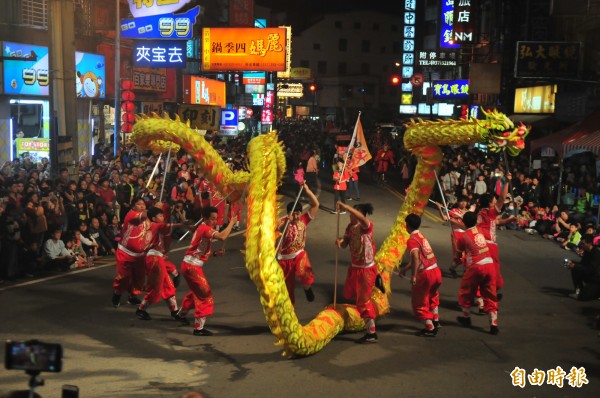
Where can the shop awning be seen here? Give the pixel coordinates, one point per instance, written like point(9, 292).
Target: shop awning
point(562, 141)
point(588, 142)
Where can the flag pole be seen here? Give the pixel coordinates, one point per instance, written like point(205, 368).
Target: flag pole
point(167, 167)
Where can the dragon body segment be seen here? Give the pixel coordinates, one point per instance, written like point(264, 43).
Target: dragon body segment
point(267, 167)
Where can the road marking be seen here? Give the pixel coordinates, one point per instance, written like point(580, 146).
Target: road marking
point(426, 211)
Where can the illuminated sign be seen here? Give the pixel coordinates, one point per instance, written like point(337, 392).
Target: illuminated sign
point(408, 46)
point(254, 78)
point(144, 8)
point(225, 49)
point(406, 99)
point(447, 20)
point(267, 116)
point(160, 54)
point(451, 88)
point(436, 58)
point(258, 99)
point(540, 99)
point(37, 148)
point(547, 59)
point(26, 77)
point(164, 26)
point(408, 109)
point(203, 91)
point(301, 73)
point(147, 79)
point(293, 90)
point(229, 121)
point(288, 54)
point(462, 31)
point(91, 75)
point(254, 88)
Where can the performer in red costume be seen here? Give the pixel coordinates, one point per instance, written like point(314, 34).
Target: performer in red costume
point(362, 272)
point(384, 158)
point(214, 199)
point(480, 274)
point(158, 282)
point(426, 278)
point(131, 253)
point(200, 296)
point(456, 215)
point(292, 257)
point(490, 208)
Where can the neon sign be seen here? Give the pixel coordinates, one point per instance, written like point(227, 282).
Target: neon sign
point(164, 26)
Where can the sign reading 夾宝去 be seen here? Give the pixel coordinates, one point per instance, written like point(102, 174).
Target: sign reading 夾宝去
point(163, 26)
point(144, 8)
point(160, 53)
point(250, 49)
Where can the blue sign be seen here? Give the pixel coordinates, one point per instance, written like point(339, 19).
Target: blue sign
point(91, 75)
point(160, 54)
point(164, 26)
point(229, 119)
point(446, 27)
point(24, 77)
point(451, 88)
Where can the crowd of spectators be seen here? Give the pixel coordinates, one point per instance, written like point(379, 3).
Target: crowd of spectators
point(81, 207)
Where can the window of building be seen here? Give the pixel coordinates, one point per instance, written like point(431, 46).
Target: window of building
point(342, 68)
point(322, 67)
point(375, 26)
point(304, 63)
point(397, 47)
point(343, 45)
point(365, 68)
point(338, 24)
point(34, 13)
point(366, 46)
point(316, 46)
point(356, 25)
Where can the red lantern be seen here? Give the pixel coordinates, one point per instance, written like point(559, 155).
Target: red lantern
point(127, 85)
point(128, 106)
point(126, 127)
point(127, 96)
point(128, 117)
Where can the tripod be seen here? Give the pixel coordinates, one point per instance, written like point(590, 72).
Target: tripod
point(34, 381)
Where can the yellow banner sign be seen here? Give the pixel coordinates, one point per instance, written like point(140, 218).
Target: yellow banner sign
point(252, 49)
point(201, 117)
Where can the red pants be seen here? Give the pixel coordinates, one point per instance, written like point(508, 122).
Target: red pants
point(359, 285)
point(158, 283)
point(484, 278)
point(382, 166)
point(457, 255)
point(494, 254)
point(235, 209)
point(130, 273)
point(298, 267)
point(200, 297)
point(425, 296)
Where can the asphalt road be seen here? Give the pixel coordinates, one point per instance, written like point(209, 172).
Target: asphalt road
point(108, 352)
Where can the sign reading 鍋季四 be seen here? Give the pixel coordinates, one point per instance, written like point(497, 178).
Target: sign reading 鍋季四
point(203, 91)
point(547, 59)
point(251, 49)
point(160, 54)
point(144, 8)
point(451, 88)
point(163, 26)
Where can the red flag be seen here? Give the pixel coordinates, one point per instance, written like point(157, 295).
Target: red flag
point(359, 150)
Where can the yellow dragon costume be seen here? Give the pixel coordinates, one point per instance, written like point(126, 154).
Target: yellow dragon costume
point(267, 167)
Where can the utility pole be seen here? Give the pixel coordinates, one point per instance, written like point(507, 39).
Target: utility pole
point(63, 101)
point(117, 120)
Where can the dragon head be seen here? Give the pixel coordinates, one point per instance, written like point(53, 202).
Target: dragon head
point(500, 133)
